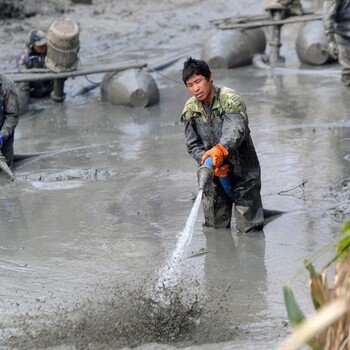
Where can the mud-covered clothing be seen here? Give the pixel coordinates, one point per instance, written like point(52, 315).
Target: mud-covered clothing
point(30, 59)
point(226, 123)
point(336, 21)
point(8, 116)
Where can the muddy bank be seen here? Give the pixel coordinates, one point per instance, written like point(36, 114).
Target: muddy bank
point(19, 9)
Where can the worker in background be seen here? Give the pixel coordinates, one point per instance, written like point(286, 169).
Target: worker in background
point(216, 125)
point(279, 10)
point(336, 21)
point(33, 56)
point(8, 117)
point(289, 7)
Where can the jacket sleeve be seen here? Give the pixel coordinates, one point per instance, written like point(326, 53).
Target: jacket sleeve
point(194, 143)
point(11, 113)
point(234, 131)
point(329, 14)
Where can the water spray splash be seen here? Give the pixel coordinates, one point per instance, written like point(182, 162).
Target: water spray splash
point(167, 276)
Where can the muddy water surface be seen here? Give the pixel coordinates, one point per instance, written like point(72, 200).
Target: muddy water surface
point(86, 228)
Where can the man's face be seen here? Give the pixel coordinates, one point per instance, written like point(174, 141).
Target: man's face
point(40, 49)
point(201, 88)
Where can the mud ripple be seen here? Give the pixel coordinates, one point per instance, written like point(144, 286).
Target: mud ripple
point(72, 174)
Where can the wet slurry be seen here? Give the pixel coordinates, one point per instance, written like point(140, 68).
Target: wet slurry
point(88, 225)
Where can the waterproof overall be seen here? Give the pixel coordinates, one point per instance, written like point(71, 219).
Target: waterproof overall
point(8, 116)
point(336, 20)
point(226, 123)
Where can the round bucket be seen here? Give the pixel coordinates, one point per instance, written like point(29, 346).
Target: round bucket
point(132, 87)
point(62, 45)
point(311, 44)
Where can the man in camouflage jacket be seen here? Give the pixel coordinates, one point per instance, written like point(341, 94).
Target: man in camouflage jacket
point(33, 56)
point(8, 117)
point(336, 20)
point(216, 125)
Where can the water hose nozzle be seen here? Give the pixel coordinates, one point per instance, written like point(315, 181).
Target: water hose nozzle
point(204, 174)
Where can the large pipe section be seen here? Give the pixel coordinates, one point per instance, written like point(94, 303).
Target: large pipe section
point(311, 44)
point(132, 87)
point(233, 48)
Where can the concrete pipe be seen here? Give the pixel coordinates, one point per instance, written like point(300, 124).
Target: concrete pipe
point(311, 44)
point(230, 49)
point(132, 87)
point(256, 39)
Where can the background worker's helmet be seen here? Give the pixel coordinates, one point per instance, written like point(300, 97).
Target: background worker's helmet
point(37, 37)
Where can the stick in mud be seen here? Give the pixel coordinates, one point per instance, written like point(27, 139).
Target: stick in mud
point(5, 168)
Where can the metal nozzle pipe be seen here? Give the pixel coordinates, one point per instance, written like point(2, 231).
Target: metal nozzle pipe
point(204, 174)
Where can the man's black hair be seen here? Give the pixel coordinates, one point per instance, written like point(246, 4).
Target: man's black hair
point(195, 67)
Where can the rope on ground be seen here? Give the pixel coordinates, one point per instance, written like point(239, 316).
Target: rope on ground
point(302, 185)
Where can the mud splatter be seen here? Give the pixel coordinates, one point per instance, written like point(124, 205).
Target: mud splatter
point(72, 174)
point(119, 319)
point(339, 192)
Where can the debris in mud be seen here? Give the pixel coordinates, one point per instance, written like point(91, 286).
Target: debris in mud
point(340, 194)
point(72, 174)
point(295, 191)
point(195, 254)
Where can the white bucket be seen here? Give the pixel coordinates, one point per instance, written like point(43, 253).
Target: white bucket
point(62, 45)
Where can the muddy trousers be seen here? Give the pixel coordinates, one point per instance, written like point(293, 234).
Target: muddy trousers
point(248, 210)
point(343, 44)
point(7, 150)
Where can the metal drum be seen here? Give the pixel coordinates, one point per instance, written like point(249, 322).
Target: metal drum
point(233, 48)
point(132, 87)
point(62, 45)
point(311, 44)
point(256, 38)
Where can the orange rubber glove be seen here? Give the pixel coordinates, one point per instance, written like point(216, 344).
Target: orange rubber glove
point(221, 171)
point(218, 153)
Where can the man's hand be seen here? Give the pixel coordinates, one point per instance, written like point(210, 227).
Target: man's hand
point(221, 171)
point(333, 48)
point(1, 141)
point(218, 153)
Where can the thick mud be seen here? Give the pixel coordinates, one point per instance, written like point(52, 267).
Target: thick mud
point(94, 215)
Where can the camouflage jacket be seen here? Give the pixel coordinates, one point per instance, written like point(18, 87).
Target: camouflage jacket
point(9, 107)
point(225, 123)
point(29, 59)
point(336, 18)
point(226, 100)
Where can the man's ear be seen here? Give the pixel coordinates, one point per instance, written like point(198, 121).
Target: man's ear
point(211, 77)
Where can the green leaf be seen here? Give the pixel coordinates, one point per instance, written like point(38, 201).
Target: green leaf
point(295, 315)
